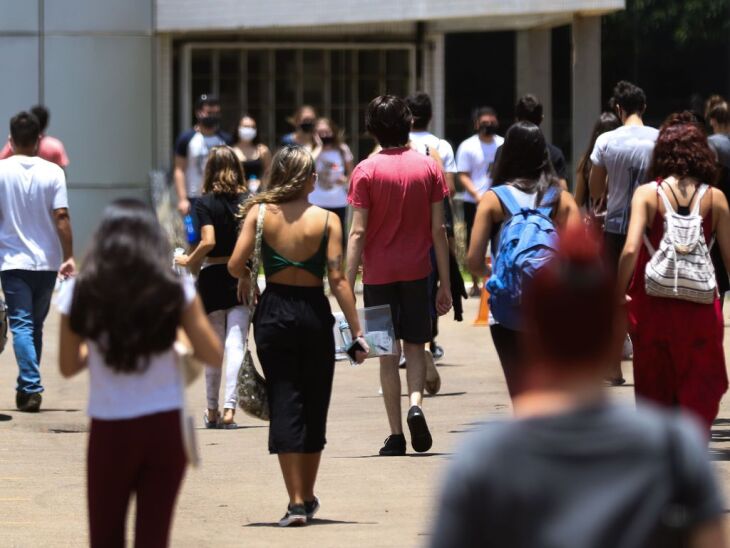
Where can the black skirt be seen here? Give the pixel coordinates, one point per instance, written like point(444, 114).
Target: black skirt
point(217, 288)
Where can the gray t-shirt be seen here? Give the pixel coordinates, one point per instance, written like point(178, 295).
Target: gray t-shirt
point(625, 153)
point(721, 144)
point(598, 477)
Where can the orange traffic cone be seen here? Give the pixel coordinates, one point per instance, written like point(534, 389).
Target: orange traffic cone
point(482, 318)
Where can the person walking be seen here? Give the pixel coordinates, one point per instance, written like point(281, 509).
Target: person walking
point(606, 122)
point(334, 166)
point(620, 160)
point(718, 117)
point(677, 333)
point(524, 181)
point(191, 153)
point(49, 148)
point(474, 160)
point(574, 467)
point(224, 190)
point(255, 157)
point(293, 323)
point(36, 247)
point(397, 199)
point(119, 320)
point(304, 121)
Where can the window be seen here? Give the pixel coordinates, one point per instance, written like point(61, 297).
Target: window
point(270, 82)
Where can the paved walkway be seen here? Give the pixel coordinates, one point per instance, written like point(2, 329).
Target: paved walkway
point(238, 494)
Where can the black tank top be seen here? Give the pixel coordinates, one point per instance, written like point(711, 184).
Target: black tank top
point(253, 168)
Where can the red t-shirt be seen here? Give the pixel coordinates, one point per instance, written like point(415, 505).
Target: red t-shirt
point(397, 186)
point(50, 149)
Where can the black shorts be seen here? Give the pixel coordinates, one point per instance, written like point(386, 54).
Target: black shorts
point(410, 306)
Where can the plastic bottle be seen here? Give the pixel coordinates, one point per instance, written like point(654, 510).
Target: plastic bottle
point(192, 236)
point(253, 183)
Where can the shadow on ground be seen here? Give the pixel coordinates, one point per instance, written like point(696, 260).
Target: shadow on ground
point(315, 521)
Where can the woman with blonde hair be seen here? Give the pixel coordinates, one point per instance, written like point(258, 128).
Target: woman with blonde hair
point(224, 190)
point(293, 321)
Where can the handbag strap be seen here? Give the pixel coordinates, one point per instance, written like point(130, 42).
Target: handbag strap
point(255, 263)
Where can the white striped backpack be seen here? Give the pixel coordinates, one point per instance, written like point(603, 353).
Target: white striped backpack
point(681, 268)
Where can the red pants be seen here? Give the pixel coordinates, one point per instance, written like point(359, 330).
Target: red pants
point(678, 355)
point(144, 456)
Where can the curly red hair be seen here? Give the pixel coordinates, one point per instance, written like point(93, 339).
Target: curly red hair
point(682, 150)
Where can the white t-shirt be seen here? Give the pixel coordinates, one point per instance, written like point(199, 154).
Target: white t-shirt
point(422, 139)
point(476, 158)
point(328, 192)
point(625, 153)
point(31, 188)
point(116, 396)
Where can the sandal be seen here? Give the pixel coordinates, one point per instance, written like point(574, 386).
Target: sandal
point(228, 425)
point(209, 423)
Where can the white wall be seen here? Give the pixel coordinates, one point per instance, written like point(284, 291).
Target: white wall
point(92, 66)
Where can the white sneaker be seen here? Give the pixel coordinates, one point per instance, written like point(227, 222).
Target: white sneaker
point(628, 350)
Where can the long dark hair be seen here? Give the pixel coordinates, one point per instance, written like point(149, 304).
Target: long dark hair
point(127, 299)
point(607, 121)
point(524, 161)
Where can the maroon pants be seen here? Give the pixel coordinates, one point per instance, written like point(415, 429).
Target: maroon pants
point(144, 456)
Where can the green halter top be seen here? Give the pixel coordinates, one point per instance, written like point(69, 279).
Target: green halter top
point(316, 264)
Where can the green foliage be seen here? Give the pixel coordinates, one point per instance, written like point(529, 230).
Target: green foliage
point(682, 20)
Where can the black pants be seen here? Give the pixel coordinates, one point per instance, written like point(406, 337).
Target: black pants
point(296, 346)
point(470, 211)
point(511, 356)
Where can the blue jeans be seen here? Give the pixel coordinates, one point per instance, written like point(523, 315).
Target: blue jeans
point(28, 296)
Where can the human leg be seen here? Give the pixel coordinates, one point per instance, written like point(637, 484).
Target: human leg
point(614, 245)
point(43, 284)
point(112, 465)
point(235, 341)
point(510, 356)
point(470, 211)
point(159, 479)
point(390, 383)
point(415, 330)
point(213, 373)
point(19, 299)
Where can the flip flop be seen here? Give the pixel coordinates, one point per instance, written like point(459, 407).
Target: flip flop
point(208, 423)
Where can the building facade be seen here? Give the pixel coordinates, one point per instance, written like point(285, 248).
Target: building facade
point(120, 78)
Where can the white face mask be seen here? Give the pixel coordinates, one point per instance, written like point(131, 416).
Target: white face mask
point(247, 133)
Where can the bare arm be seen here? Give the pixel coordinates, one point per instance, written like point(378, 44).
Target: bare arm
point(468, 184)
point(181, 164)
point(339, 286)
point(356, 243)
point(206, 244)
point(709, 535)
point(488, 207)
point(207, 346)
point(244, 245)
point(721, 212)
point(634, 238)
point(450, 183)
point(65, 236)
point(569, 213)
point(441, 250)
point(597, 182)
point(73, 353)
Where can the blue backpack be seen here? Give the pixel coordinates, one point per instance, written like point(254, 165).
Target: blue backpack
point(527, 241)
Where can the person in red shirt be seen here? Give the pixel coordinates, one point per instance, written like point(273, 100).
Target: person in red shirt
point(49, 148)
point(397, 199)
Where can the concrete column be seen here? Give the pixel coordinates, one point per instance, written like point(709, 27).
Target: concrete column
point(586, 80)
point(534, 71)
point(163, 102)
point(434, 81)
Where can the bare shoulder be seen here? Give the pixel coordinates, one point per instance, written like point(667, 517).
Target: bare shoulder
point(647, 190)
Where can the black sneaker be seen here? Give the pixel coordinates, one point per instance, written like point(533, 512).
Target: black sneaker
point(311, 507)
point(395, 446)
point(420, 436)
point(28, 403)
point(295, 515)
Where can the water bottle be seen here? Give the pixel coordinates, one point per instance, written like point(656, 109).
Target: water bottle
point(190, 229)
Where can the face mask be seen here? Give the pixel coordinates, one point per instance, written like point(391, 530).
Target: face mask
point(307, 127)
point(210, 121)
point(247, 133)
point(488, 129)
point(329, 140)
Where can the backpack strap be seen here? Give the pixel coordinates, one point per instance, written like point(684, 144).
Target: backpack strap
point(508, 200)
point(665, 199)
point(549, 201)
point(650, 248)
point(700, 192)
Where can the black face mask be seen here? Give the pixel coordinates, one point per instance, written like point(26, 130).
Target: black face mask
point(211, 121)
point(488, 129)
point(307, 127)
point(329, 140)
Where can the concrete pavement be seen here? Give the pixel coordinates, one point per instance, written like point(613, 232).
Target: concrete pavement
point(237, 495)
